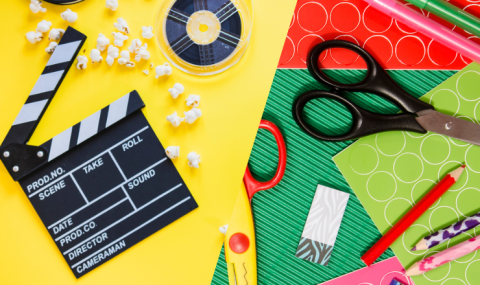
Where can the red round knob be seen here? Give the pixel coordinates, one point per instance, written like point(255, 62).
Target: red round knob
point(239, 243)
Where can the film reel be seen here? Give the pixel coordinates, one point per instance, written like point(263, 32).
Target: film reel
point(204, 37)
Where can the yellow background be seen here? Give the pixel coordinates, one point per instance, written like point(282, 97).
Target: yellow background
point(232, 103)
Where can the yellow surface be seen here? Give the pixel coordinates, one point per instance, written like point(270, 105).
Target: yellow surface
point(186, 251)
point(244, 264)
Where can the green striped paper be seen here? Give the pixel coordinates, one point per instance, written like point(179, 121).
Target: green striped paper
point(280, 213)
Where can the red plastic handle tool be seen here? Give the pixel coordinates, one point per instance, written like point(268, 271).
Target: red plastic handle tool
point(252, 185)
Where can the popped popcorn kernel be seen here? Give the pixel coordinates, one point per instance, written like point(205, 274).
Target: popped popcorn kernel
point(119, 38)
point(176, 90)
point(95, 56)
point(147, 32)
point(172, 152)
point(69, 16)
point(193, 101)
point(162, 70)
point(36, 6)
point(151, 64)
point(193, 159)
point(122, 26)
point(82, 62)
point(112, 4)
point(192, 115)
point(142, 53)
point(43, 26)
point(174, 119)
point(135, 46)
point(112, 53)
point(146, 71)
point(51, 47)
point(102, 42)
point(34, 37)
point(125, 59)
point(55, 34)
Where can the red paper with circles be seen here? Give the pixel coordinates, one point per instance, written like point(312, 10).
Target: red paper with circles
point(394, 45)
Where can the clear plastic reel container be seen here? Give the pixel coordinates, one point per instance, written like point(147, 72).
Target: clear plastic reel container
point(180, 33)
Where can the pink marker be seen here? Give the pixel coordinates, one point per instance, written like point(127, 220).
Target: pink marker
point(428, 27)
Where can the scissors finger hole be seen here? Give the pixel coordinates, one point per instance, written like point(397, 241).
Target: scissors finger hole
point(345, 58)
point(264, 157)
point(328, 116)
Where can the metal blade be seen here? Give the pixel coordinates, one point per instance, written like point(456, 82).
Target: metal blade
point(439, 123)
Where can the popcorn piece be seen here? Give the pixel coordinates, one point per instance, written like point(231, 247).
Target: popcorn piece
point(55, 34)
point(110, 60)
point(147, 32)
point(113, 52)
point(135, 46)
point(193, 101)
point(36, 6)
point(192, 115)
point(146, 71)
point(119, 38)
point(173, 152)
point(143, 53)
point(51, 47)
point(112, 5)
point(82, 62)
point(176, 90)
point(34, 37)
point(43, 26)
point(122, 26)
point(193, 159)
point(175, 119)
point(162, 70)
point(96, 56)
point(223, 229)
point(151, 64)
point(125, 59)
point(102, 42)
point(69, 16)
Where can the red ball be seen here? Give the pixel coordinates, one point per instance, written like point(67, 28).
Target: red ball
point(239, 243)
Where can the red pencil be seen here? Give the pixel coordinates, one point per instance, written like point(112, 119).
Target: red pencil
point(401, 226)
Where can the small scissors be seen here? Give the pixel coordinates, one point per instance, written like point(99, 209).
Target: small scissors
point(417, 115)
point(240, 245)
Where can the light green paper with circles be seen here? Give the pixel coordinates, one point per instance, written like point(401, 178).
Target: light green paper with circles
point(391, 171)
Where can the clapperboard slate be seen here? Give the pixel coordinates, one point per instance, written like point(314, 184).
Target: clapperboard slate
point(100, 186)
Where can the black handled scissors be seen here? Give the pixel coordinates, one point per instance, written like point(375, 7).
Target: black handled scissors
point(417, 115)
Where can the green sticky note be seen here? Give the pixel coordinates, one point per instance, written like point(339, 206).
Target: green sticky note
point(391, 171)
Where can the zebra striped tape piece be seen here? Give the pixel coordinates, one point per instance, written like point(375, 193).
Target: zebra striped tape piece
point(93, 124)
point(45, 88)
point(322, 225)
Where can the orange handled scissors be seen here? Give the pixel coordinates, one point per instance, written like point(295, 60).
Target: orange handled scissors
point(240, 247)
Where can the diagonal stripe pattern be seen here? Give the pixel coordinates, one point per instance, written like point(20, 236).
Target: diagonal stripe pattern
point(45, 87)
point(93, 124)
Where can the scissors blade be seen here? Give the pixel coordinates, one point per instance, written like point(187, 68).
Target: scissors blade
point(439, 123)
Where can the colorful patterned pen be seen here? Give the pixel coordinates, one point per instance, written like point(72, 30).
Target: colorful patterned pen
point(449, 232)
point(444, 257)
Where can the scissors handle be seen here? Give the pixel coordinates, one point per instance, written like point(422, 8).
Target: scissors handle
point(364, 122)
point(377, 80)
point(252, 185)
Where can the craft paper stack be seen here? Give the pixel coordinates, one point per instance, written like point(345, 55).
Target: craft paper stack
point(391, 171)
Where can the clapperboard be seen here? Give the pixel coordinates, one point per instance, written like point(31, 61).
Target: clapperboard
point(100, 186)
